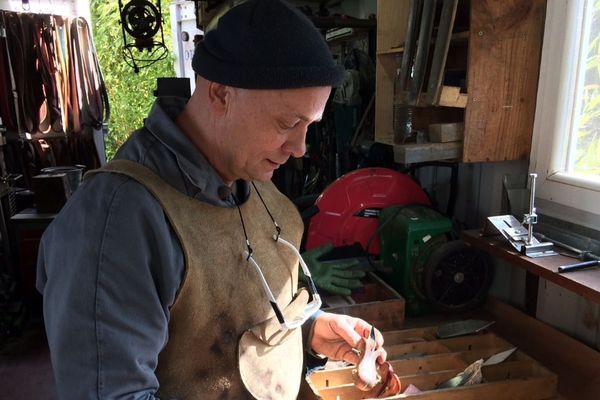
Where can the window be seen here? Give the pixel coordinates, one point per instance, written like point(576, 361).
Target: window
point(566, 138)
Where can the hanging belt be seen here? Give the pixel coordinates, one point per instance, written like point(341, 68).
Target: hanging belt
point(101, 92)
point(7, 84)
point(92, 96)
point(15, 92)
point(75, 95)
point(32, 94)
point(50, 109)
point(61, 75)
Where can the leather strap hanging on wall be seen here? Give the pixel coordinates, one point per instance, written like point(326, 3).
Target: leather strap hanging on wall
point(92, 97)
point(75, 89)
point(29, 78)
point(58, 80)
point(7, 106)
point(13, 44)
point(58, 89)
point(50, 118)
point(61, 43)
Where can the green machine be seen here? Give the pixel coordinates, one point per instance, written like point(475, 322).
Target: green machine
point(432, 272)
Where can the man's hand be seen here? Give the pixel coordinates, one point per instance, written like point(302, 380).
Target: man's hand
point(337, 277)
point(335, 336)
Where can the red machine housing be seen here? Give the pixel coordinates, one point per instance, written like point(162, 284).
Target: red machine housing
point(349, 207)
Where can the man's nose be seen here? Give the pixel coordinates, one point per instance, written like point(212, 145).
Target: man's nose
point(296, 144)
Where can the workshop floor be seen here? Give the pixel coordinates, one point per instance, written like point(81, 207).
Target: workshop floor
point(25, 370)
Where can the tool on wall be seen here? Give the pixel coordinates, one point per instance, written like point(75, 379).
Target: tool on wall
point(142, 20)
point(442, 43)
point(402, 104)
point(521, 238)
point(421, 71)
point(422, 54)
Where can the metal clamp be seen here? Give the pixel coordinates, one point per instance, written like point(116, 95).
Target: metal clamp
point(520, 238)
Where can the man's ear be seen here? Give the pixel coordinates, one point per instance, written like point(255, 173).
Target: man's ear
point(219, 96)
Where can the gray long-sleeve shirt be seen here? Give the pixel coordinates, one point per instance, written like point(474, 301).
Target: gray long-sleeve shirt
point(110, 265)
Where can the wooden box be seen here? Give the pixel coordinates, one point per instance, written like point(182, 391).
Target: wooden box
point(376, 302)
point(420, 359)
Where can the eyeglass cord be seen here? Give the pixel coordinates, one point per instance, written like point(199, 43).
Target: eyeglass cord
point(237, 204)
point(315, 304)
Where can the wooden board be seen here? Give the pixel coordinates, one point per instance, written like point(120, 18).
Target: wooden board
point(442, 133)
point(415, 153)
point(385, 71)
point(422, 117)
point(575, 363)
point(520, 377)
point(504, 55)
point(452, 97)
point(392, 18)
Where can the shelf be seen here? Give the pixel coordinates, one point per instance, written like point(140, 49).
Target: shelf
point(585, 283)
point(456, 37)
point(423, 152)
point(342, 22)
point(460, 36)
point(449, 97)
point(395, 50)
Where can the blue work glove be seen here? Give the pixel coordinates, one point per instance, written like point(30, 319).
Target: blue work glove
point(337, 277)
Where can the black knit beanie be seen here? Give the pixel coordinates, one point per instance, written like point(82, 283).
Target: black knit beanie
point(266, 44)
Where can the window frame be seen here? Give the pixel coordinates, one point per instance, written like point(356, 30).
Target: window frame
point(565, 196)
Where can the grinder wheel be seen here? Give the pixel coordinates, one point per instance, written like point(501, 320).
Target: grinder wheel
point(457, 277)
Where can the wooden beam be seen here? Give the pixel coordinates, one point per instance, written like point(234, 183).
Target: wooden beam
point(504, 56)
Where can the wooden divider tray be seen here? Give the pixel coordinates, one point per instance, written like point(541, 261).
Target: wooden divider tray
point(375, 302)
point(419, 358)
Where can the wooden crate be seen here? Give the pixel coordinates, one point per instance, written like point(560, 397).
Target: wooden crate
point(376, 302)
point(419, 358)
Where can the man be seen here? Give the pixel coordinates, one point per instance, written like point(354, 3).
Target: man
point(172, 272)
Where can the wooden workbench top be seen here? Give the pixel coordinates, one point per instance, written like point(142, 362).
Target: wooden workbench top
point(584, 282)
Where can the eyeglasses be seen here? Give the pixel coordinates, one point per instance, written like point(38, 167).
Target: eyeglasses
point(309, 310)
point(313, 306)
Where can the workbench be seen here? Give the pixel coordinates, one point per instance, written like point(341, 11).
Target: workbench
point(574, 362)
point(585, 283)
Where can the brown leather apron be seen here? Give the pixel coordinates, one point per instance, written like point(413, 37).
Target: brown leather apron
point(221, 312)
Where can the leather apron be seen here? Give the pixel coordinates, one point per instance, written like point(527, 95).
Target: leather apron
point(221, 298)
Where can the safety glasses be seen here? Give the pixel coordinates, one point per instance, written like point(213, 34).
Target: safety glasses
point(311, 308)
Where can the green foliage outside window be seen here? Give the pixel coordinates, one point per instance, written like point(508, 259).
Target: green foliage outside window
point(130, 94)
point(587, 160)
